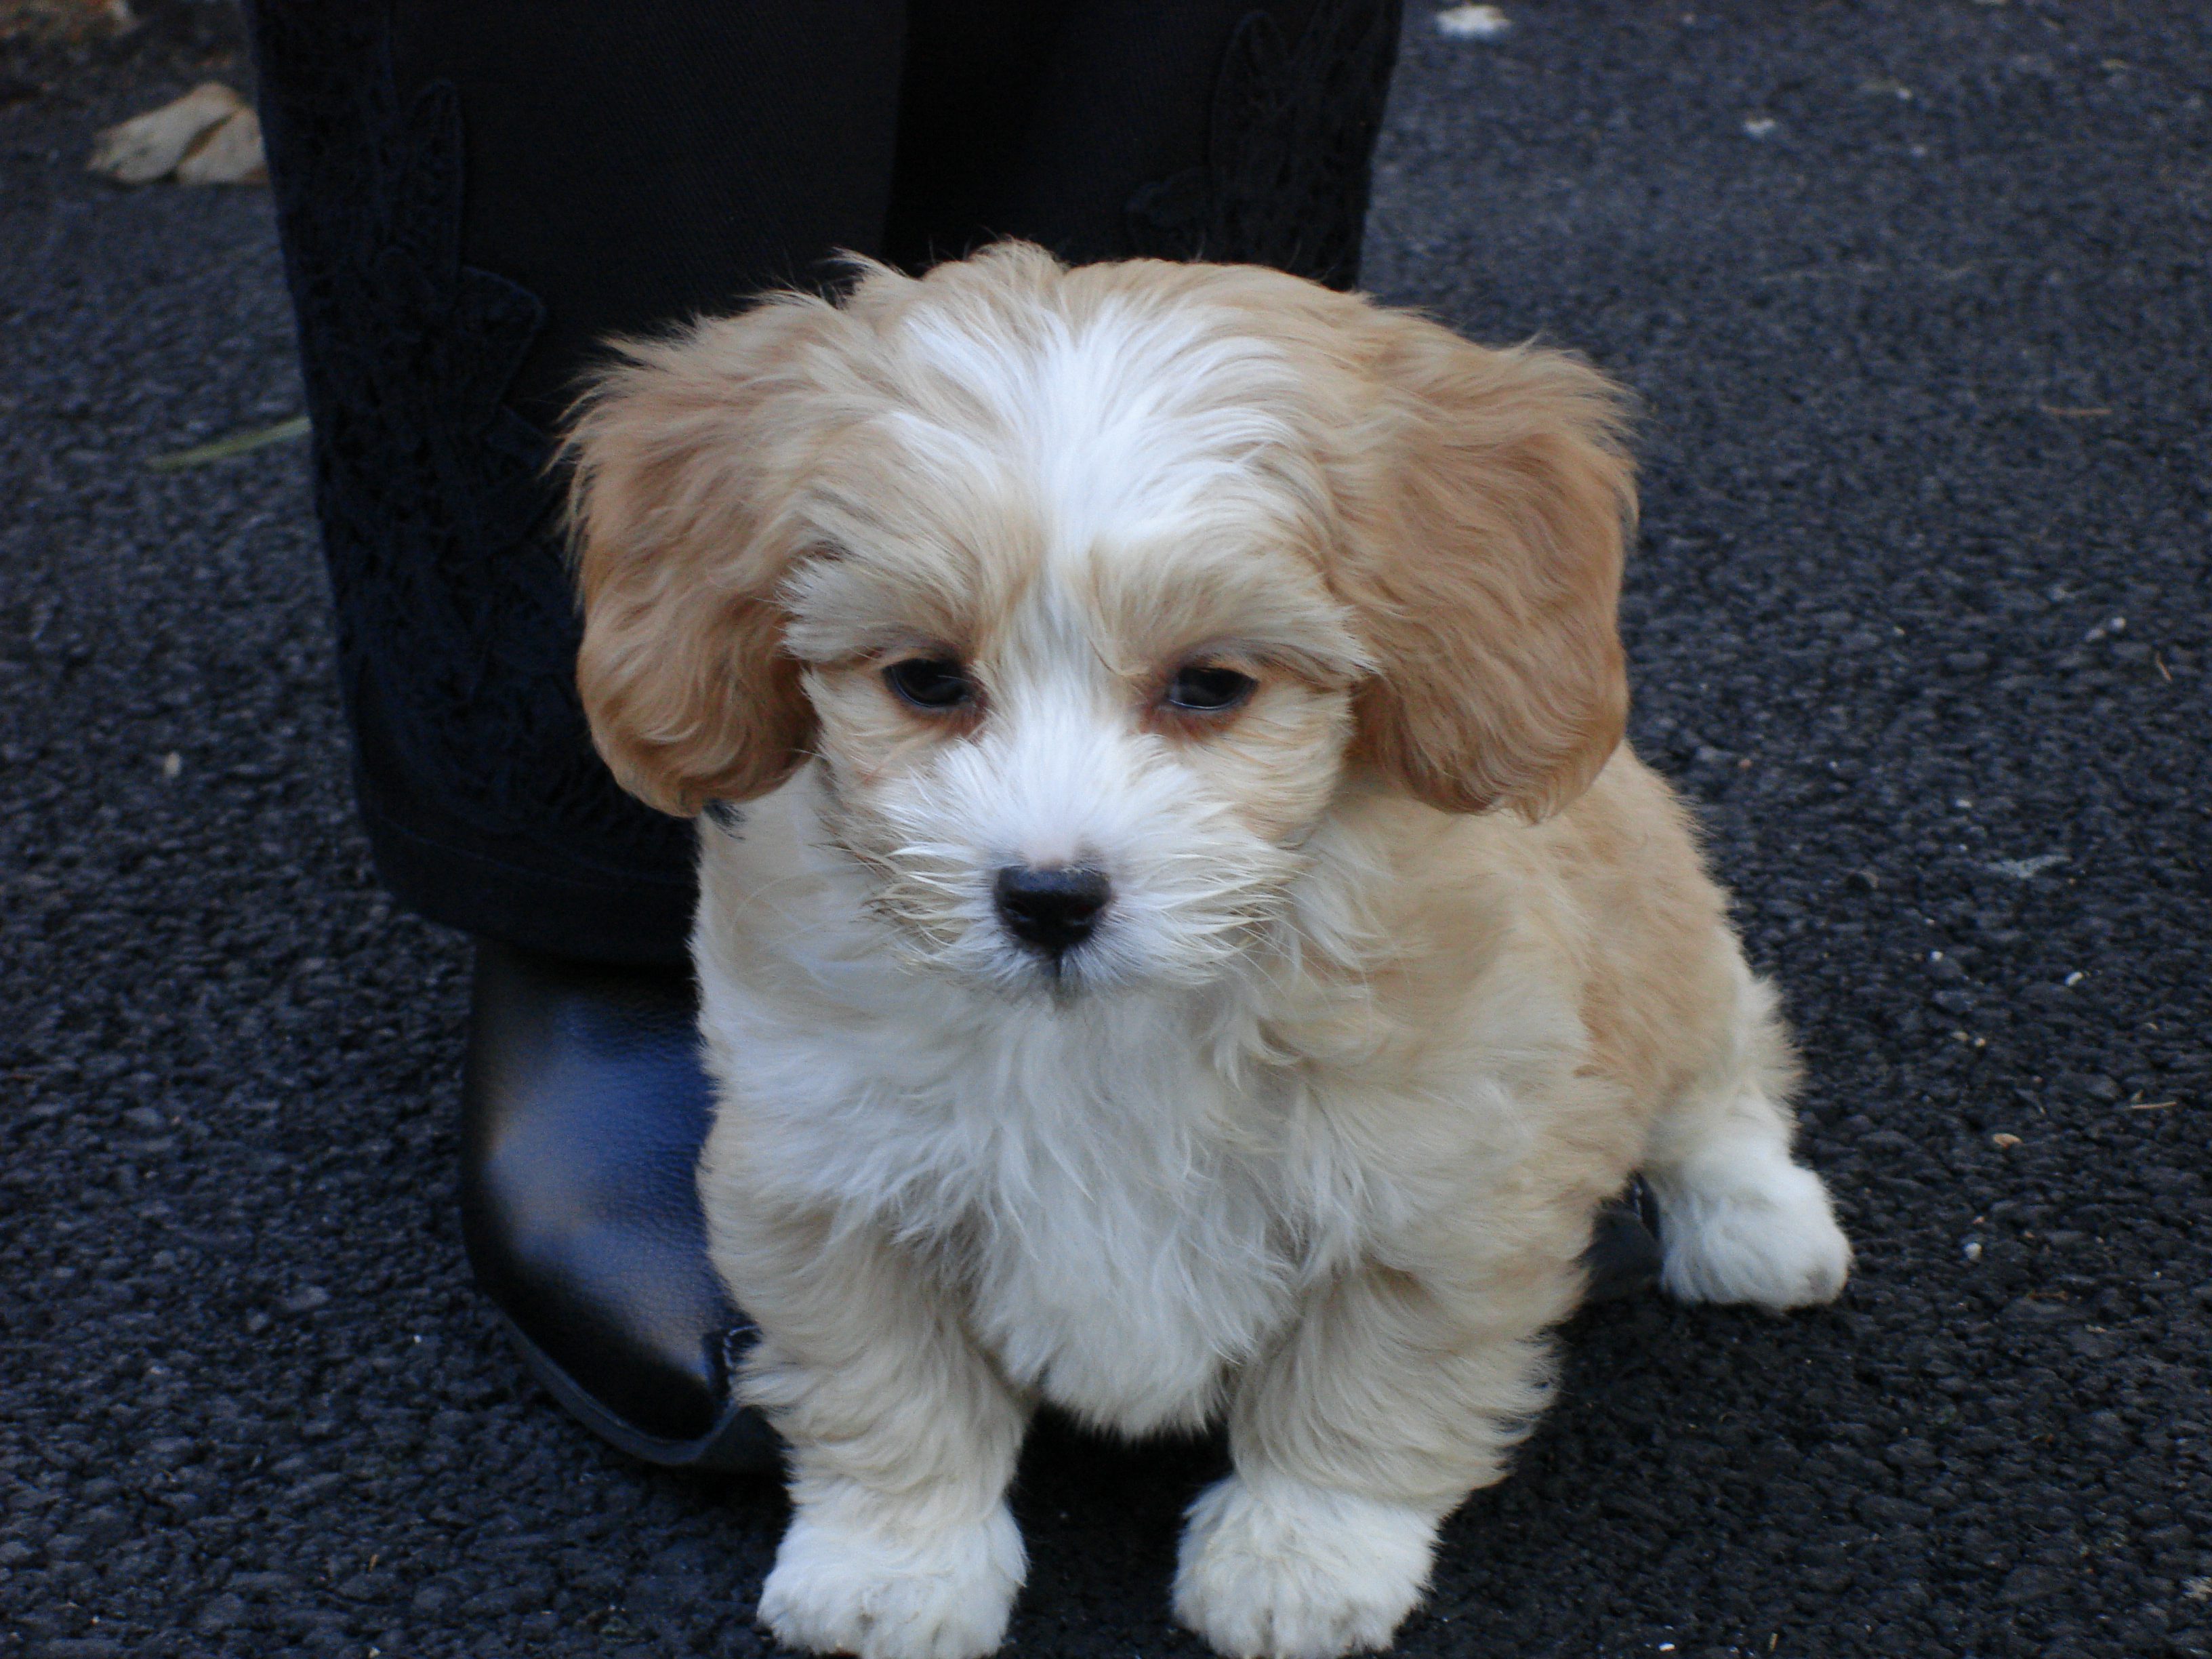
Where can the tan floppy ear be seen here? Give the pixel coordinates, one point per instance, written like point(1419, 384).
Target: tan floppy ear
point(686, 453)
point(1483, 561)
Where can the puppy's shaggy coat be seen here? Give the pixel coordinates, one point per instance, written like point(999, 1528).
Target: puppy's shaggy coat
point(1289, 621)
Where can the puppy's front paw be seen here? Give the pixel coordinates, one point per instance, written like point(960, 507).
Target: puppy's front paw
point(1749, 1226)
point(923, 1590)
point(1272, 1568)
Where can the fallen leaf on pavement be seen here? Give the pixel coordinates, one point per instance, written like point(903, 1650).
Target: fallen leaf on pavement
point(65, 22)
point(238, 443)
point(148, 147)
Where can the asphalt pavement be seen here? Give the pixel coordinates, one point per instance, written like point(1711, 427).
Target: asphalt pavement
point(1915, 295)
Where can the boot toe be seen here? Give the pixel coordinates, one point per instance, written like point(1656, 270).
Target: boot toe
point(585, 1106)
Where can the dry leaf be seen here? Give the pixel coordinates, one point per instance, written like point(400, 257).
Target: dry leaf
point(238, 443)
point(65, 22)
point(148, 147)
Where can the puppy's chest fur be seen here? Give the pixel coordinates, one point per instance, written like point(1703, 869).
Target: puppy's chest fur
point(1121, 1220)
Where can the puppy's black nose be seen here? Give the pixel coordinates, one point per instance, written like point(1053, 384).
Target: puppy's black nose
point(1053, 909)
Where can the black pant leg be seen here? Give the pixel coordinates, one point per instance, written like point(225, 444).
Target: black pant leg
point(472, 193)
point(1239, 130)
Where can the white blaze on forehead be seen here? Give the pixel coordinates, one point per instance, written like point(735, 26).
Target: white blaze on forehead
point(1114, 424)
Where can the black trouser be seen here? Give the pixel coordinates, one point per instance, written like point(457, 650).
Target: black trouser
point(472, 193)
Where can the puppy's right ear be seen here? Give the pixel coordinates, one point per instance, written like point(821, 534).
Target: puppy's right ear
point(686, 454)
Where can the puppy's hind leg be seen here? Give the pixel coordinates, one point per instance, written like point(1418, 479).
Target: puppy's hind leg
point(1740, 1220)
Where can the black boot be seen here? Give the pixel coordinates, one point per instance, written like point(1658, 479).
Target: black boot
point(583, 1107)
point(1623, 1257)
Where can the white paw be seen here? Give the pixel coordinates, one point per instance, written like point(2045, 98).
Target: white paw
point(911, 1591)
point(1747, 1224)
point(1273, 1568)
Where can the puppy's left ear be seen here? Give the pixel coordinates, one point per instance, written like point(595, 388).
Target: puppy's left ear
point(685, 453)
point(1482, 560)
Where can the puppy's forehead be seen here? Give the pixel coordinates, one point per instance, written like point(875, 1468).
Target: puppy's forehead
point(1129, 471)
point(1106, 423)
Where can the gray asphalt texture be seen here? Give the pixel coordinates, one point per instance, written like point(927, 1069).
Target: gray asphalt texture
point(1915, 298)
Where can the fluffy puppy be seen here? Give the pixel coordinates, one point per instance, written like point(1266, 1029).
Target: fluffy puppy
point(1197, 944)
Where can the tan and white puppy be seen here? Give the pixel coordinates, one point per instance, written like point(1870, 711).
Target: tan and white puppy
point(1197, 944)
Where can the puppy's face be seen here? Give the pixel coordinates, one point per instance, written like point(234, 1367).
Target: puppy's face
point(1087, 589)
point(1078, 687)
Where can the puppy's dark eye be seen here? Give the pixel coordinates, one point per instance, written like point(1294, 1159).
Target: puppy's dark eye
point(1208, 690)
point(933, 683)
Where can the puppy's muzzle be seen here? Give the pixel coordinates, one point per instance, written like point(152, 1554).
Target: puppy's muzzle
point(1055, 910)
